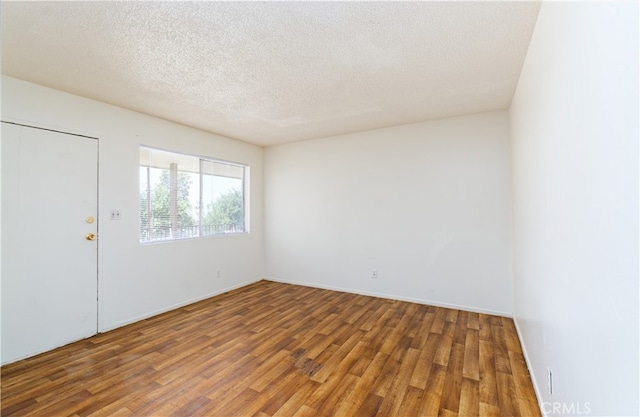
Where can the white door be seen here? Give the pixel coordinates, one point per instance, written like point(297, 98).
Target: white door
point(49, 265)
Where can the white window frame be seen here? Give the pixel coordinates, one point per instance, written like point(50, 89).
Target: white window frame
point(201, 215)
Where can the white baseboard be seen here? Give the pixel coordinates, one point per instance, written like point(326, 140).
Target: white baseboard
point(174, 306)
point(32, 354)
point(536, 387)
point(394, 297)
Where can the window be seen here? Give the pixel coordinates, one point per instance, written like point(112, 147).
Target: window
point(184, 196)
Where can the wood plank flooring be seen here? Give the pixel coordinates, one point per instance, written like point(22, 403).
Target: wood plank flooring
point(272, 349)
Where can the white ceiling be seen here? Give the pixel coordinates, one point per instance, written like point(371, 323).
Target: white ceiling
point(270, 73)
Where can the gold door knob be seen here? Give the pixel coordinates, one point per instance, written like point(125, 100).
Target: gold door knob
point(90, 236)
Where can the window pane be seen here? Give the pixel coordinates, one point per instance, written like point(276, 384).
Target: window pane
point(165, 214)
point(223, 198)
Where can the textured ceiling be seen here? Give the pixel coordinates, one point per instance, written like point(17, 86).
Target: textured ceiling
point(270, 73)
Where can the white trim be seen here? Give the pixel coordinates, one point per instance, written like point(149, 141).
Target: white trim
point(175, 306)
point(529, 368)
point(46, 126)
point(394, 297)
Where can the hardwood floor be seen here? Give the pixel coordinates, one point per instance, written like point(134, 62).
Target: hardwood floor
point(272, 349)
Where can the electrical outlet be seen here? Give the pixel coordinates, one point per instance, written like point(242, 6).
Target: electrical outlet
point(115, 214)
point(549, 381)
point(218, 273)
point(374, 274)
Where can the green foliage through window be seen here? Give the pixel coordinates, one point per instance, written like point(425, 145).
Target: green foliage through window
point(226, 211)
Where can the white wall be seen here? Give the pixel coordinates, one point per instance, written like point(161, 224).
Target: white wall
point(575, 153)
point(136, 281)
point(428, 205)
